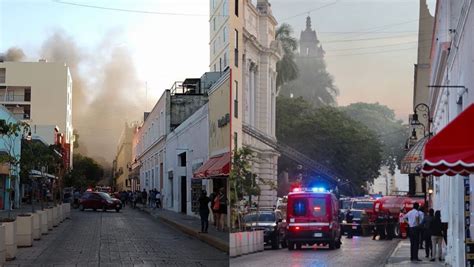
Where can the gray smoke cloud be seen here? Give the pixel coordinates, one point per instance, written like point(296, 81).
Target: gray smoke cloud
point(106, 90)
point(13, 54)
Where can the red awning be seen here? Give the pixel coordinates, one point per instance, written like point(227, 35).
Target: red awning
point(215, 167)
point(451, 151)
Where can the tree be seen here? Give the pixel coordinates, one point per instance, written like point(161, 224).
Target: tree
point(331, 138)
point(392, 132)
point(286, 67)
point(86, 172)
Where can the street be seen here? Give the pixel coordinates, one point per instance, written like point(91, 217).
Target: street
point(128, 238)
point(360, 251)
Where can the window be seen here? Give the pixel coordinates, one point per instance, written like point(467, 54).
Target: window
point(220, 64)
point(214, 23)
point(214, 47)
point(236, 7)
point(215, 69)
point(225, 7)
point(319, 206)
point(225, 60)
point(235, 140)
point(236, 49)
point(2, 75)
point(236, 99)
point(224, 33)
point(182, 159)
point(299, 207)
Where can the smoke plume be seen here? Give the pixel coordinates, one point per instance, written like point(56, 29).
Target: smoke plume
point(106, 90)
point(13, 54)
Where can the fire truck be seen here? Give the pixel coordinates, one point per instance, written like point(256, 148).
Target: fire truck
point(312, 218)
point(397, 206)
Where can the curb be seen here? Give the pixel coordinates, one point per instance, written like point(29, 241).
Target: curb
point(215, 242)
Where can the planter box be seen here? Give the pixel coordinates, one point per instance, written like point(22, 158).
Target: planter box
point(68, 210)
point(10, 240)
point(49, 212)
point(60, 213)
point(36, 226)
point(2, 245)
point(24, 232)
point(55, 216)
point(43, 218)
point(242, 243)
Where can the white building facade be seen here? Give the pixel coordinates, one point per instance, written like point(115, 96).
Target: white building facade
point(452, 64)
point(187, 148)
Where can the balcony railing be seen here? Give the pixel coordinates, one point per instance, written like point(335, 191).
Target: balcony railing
point(14, 98)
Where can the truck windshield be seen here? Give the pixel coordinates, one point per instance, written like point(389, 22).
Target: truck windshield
point(363, 205)
point(318, 206)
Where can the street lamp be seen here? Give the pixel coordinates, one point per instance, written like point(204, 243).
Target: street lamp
point(424, 110)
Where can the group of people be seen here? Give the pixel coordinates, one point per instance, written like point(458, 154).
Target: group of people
point(152, 198)
point(425, 228)
point(218, 205)
point(384, 226)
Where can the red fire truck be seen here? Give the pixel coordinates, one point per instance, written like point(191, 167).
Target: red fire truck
point(397, 206)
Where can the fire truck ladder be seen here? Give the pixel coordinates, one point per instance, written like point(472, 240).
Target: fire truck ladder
point(292, 153)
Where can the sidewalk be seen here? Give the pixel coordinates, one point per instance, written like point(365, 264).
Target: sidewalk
point(25, 208)
point(401, 257)
point(191, 226)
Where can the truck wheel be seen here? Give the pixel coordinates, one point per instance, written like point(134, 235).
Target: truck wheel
point(298, 246)
point(338, 243)
point(332, 244)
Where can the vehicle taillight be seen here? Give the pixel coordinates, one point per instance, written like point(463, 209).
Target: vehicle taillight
point(317, 209)
point(297, 228)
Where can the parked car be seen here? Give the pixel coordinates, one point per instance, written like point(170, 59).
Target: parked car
point(99, 200)
point(272, 223)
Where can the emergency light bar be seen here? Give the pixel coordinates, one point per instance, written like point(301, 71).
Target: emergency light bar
point(312, 189)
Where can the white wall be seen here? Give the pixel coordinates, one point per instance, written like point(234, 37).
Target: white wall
point(192, 138)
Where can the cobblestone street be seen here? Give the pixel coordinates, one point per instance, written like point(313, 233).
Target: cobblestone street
point(128, 238)
point(357, 252)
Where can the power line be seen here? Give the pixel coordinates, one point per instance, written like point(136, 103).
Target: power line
point(310, 10)
point(133, 10)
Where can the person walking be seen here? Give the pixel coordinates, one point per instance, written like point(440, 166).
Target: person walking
point(222, 209)
point(437, 234)
point(349, 221)
point(414, 220)
point(421, 229)
point(212, 196)
point(204, 211)
point(426, 225)
point(158, 199)
point(144, 197)
point(390, 231)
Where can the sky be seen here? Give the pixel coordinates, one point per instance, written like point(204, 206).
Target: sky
point(370, 44)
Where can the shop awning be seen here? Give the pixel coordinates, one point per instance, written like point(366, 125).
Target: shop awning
point(412, 161)
point(451, 151)
point(215, 167)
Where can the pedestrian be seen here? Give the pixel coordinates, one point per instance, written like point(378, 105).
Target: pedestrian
point(204, 211)
point(151, 199)
point(437, 233)
point(426, 225)
point(158, 199)
point(414, 220)
point(349, 221)
point(390, 231)
point(380, 227)
point(212, 196)
point(422, 230)
point(222, 209)
point(144, 197)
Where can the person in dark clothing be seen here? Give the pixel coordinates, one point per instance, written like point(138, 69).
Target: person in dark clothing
point(349, 221)
point(380, 227)
point(212, 196)
point(421, 229)
point(426, 225)
point(437, 233)
point(204, 211)
point(390, 224)
point(144, 197)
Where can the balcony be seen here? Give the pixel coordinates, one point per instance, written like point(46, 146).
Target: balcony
point(14, 98)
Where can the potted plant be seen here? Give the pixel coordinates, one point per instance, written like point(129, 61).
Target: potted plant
point(24, 232)
point(2, 245)
point(36, 226)
point(55, 216)
point(49, 212)
point(43, 218)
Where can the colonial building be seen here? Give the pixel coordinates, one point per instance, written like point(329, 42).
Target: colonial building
point(448, 154)
point(123, 158)
point(243, 38)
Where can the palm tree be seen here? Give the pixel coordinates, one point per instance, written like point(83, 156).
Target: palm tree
point(286, 67)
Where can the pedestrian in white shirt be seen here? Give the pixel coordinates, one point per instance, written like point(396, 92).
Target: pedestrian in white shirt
point(414, 221)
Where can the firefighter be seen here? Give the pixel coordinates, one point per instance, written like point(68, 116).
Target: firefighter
point(379, 227)
point(349, 221)
point(390, 225)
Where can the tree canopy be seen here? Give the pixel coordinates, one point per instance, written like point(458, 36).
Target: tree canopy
point(330, 137)
point(381, 120)
point(86, 172)
point(286, 67)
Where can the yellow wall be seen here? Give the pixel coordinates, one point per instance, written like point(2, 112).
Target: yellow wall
point(124, 157)
point(219, 138)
